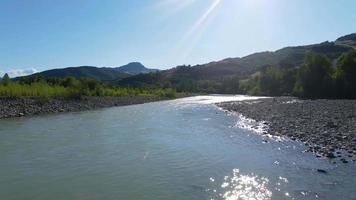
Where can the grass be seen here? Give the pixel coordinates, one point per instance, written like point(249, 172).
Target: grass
point(46, 90)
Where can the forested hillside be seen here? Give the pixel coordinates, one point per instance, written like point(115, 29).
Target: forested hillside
point(265, 73)
point(325, 70)
point(104, 74)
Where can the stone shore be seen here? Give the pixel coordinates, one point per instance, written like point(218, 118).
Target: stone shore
point(27, 106)
point(328, 127)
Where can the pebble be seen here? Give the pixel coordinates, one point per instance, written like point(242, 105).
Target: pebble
point(26, 106)
point(324, 123)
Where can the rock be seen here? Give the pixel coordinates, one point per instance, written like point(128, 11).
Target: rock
point(321, 171)
point(26, 106)
point(331, 125)
point(330, 155)
point(324, 123)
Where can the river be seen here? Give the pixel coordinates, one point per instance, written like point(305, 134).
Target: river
point(180, 149)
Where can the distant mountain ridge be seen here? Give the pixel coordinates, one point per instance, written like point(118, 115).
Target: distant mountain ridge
point(347, 40)
point(102, 74)
point(105, 74)
point(244, 66)
point(135, 68)
point(136, 74)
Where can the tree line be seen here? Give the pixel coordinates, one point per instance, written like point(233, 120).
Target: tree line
point(317, 77)
point(36, 85)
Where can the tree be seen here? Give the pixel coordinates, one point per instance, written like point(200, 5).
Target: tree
point(230, 85)
point(289, 72)
point(314, 77)
point(271, 81)
point(35, 78)
point(250, 86)
point(69, 82)
point(6, 79)
point(345, 75)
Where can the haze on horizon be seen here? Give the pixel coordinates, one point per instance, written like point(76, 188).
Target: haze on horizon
point(38, 35)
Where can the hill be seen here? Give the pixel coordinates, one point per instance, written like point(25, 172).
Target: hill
point(105, 74)
point(347, 40)
point(135, 68)
point(240, 67)
point(101, 74)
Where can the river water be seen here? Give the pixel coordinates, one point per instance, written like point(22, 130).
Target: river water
point(180, 149)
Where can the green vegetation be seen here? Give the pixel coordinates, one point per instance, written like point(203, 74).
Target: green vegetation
point(308, 71)
point(276, 81)
point(5, 80)
point(71, 87)
point(345, 76)
point(325, 70)
point(315, 78)
point(250, 86)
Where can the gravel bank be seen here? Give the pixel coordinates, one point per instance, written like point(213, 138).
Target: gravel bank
point(328, 127)
point(26, 106)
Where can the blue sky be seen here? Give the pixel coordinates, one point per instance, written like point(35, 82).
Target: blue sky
point(41, 34)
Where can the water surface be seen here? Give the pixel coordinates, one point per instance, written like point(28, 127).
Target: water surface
point(181, 149)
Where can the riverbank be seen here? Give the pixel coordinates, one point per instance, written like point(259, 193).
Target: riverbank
point(28, 106)
point(328, 127)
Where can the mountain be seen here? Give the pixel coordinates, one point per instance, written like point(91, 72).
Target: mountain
point(241, 67)
point(135, 74)
point(135, 68)
point(105, 74)
point(250, 64)
point(348, 40)
point(102, 74)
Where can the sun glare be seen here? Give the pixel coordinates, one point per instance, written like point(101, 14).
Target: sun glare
point(195, 31)
point(198, 24)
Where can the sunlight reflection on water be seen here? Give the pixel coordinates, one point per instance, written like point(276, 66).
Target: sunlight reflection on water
point(252, 125)
point(259, 127)
point(159, 151)
point(211, 99)
point(244, 187)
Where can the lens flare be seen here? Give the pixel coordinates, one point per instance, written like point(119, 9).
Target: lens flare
point(198, 24)
point(174, 5)
point(194, 33)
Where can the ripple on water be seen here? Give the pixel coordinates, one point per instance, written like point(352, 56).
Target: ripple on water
point(250, 124)
point(162, 150)
point(244, 187)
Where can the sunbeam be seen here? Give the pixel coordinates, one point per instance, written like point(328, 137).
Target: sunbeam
point(194, 33)
point(174, 5)
point(198, 24)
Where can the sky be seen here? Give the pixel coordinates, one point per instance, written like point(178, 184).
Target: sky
point(38, 35)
